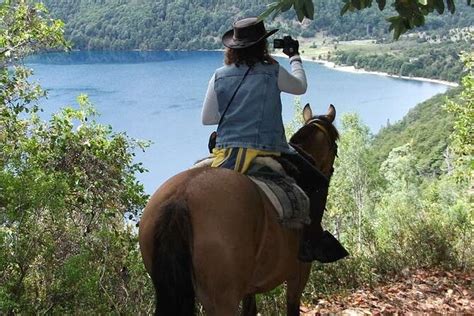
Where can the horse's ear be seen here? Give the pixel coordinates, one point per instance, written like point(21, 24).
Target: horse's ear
point(331, 115)
point(307, 113)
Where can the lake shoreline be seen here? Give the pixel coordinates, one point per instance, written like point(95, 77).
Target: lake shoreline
point(328, 64)
point(354, 70)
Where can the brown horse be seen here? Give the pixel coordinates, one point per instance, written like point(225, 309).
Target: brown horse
point(211, 234)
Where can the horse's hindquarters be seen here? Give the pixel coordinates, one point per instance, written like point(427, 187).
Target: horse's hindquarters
point(227, 217)
point(237, 245)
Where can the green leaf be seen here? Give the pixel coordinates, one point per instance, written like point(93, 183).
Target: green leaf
point(300, 9)
point(381, 4)
point(346, 7)
point(418, 20)
point(286, 5)
point(439, 6)
point(300, 14)
point(309, 6)
point(398, 25)
point(356, 4)
point(451, 6)
point(272, 7)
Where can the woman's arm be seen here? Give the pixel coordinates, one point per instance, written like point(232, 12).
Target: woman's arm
point(210, 109)
point(294, 83)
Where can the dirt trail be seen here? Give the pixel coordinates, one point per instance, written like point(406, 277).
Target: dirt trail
point(416, 292)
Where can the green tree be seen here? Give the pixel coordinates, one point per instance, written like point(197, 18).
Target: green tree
point(399, 169)
point(24, 29)
point(462, 138)
point(460, 179)
point(68, 192)
point(350, 185)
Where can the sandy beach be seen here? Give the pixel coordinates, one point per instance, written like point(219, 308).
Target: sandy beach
point(352, 69)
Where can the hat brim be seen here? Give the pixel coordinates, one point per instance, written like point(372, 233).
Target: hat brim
point(228, 39)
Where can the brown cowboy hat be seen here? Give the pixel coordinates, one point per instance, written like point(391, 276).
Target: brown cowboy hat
point(245, 33)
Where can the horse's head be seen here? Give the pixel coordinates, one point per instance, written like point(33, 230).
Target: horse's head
point(318, 138)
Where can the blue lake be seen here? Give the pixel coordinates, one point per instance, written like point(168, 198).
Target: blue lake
point(158, 96)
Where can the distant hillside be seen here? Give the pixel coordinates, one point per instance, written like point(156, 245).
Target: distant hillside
point(198, 24)
point(428, 127)
point(409, 58)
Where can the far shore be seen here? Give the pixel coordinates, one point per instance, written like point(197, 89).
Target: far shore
point(332, 65)
point(352, 69)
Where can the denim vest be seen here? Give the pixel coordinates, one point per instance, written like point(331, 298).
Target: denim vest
point(253, 119)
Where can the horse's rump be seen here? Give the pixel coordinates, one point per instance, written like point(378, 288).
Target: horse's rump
point(236, 234)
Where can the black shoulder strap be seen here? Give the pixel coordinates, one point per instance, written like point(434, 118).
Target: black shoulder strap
point(232, 98)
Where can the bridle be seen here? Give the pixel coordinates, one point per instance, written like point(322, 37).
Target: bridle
point(321, 123)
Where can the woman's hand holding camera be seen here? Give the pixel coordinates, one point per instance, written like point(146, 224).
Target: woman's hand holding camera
point(289, 45)
point(292, 48)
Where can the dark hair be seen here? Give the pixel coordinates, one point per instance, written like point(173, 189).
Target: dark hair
point(249, 55)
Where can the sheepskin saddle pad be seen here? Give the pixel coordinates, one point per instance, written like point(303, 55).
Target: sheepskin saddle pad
point(288, 199)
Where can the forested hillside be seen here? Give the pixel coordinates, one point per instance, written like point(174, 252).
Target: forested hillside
point(410, 59)
point(427, 128)
point(198, 24)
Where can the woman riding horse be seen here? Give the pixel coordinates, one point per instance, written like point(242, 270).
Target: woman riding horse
point(243, 98)
point(211, 233)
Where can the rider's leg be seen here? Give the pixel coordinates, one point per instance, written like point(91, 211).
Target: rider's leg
point(317, 202)
point(316, 244)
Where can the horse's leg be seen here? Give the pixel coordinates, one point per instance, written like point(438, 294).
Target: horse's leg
point(249, 305)
point(295, 288)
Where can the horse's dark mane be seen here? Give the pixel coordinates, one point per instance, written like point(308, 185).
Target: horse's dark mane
point(331, 128)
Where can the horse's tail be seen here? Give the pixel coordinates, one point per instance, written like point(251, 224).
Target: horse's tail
point(172, 268)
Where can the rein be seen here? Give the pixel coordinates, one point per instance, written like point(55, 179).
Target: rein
point(319, 123)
